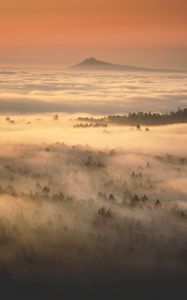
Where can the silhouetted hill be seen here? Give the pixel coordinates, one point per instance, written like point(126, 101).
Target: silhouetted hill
point(95, 64)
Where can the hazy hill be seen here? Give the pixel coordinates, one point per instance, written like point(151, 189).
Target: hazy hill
point(95, 64)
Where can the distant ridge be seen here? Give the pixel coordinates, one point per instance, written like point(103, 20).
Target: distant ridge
point(95, 64)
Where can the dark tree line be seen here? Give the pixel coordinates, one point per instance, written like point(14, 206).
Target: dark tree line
point(142, 118)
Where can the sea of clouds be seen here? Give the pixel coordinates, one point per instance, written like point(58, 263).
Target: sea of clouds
point(96, 93)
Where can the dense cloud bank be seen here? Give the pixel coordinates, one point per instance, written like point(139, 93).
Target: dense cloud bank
point(78, 220)
point(40, 92)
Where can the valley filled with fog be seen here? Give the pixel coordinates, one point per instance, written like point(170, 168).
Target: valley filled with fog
point(91, 209)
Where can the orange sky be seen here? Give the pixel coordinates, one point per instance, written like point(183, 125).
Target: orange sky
point(49, 32)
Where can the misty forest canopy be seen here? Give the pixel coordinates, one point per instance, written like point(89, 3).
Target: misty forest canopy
point(142, 118)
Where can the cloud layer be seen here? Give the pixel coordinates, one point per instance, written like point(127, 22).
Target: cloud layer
point(37, 92)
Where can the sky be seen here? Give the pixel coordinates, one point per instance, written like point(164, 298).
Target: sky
point(58, 33)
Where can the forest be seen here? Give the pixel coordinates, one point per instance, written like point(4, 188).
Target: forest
point(141, 118)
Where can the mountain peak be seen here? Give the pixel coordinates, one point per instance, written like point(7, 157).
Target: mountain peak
point(95, 64)
point(91, 61)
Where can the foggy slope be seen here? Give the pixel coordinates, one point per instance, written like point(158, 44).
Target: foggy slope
point(74, 216)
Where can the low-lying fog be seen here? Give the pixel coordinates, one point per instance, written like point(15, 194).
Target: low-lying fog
point(91, 209)
point(44, 129)
point(91, 205)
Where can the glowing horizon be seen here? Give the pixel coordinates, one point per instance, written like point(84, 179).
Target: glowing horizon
point(150, 33)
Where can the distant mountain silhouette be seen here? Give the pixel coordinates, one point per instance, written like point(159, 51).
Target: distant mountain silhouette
point(95, 64)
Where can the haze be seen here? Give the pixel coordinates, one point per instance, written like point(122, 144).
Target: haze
point(46, 34)
point(93, 156)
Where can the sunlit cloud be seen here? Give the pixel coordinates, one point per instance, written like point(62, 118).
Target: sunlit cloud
point(92, 93)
